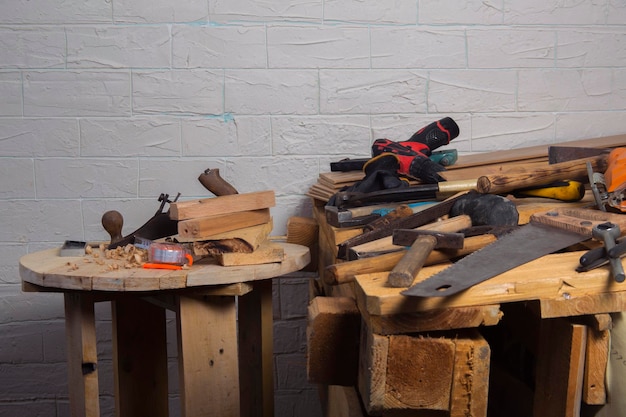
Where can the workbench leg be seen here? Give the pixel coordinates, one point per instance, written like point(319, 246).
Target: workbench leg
point(207, 356)
point(256, 351)
point(560, 365)
point(82, 358)
point(139, 358)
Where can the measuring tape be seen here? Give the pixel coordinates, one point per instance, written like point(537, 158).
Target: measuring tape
point(171, 254)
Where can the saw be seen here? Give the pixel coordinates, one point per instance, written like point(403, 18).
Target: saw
point(546, 233)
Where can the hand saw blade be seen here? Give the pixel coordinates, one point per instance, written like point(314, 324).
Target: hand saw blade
point(545, 234)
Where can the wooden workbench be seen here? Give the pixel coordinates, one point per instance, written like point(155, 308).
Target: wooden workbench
point(561, 316)
point(224, 324)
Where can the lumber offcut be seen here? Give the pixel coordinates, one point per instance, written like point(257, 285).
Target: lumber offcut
point(427, 373)
point(182, 210)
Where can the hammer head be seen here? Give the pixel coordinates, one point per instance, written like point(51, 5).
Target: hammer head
point(406, 237)
point(346, 217)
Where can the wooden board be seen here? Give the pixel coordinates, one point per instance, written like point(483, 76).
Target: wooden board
point(531, 152)
point(182, 210)
point(203, 227)
point(596, 361)
point(551, 277)
point(425, 321)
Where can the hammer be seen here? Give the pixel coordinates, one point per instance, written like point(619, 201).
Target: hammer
point(421, 243)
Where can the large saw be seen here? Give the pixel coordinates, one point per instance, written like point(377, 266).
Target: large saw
point(545, 233)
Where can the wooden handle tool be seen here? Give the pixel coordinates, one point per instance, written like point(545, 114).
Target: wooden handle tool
point(423, 243)
point(508, 182)
point(344, 272)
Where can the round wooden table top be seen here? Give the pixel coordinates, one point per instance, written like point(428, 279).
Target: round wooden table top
point(49, 270)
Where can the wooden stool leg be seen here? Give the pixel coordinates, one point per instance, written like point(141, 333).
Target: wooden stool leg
point(256, 347)
point(139, 358)
point(82, 358)
point(207, 356)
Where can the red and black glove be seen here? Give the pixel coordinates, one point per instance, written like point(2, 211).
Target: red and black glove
point(412, 163)
point(413, 154)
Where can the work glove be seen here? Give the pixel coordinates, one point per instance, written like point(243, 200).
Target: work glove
point(381, 173)
point(411, 162)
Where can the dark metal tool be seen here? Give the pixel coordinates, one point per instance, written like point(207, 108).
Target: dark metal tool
point(608, 233)
point(420, 192)
point(158, 226)
point(546, 233)
point(349, 217)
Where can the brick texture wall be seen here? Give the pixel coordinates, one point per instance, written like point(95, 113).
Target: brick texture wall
point(108, 103)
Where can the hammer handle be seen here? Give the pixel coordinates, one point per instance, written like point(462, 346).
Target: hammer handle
point(344, 272)
point(399, 212)
point(405, 272)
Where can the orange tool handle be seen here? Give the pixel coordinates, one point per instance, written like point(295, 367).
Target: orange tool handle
point(161, 266)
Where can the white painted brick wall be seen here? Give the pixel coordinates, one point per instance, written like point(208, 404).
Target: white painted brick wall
point(107, 104)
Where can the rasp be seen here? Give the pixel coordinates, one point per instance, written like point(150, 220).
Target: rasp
point(546, 233)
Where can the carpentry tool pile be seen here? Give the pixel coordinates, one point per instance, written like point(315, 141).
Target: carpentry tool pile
point(404, 208)
point(230, 227)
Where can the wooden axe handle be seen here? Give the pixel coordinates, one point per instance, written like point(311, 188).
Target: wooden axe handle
point(504, 183)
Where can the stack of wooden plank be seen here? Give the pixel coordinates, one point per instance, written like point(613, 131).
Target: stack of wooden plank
point(232, 228)
point(467, 167)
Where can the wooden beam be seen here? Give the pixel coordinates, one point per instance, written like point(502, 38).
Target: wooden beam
point(82, 355)
point(139, 358)
point(204, 358)
point(560, 365)
point(596, 361)
point(470, 384)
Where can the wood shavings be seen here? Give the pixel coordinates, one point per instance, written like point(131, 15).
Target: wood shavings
point(126, 257)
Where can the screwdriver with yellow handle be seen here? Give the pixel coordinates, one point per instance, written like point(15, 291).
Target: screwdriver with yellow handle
point(566, 190)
